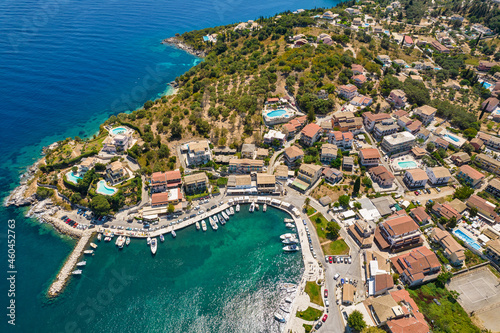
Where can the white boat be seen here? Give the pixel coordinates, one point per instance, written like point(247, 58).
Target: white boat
point(77, 272)
point(288, 300)
point(127, 241)
point(252, 207)
point(290, 241)
point(88, 251)
point(288, 235)
point(264, 208)
point(237, 208)
point(290, 225)
point(81, 263)
point(148, 241)
point(288, 220)
point(162, 238)
point(154, 246)
point(197, 225)
point(222, 220)
point(99, 237)
point(213, 224)
point(291, 248)
point(174, 234)
point(224, 215)
point(107, 239)
point(257, 206)
point(203, 225)
point(228, 212)
point(214, 217)
point(231, 210)
point(121, 241)
point(279, 317)
point(94, 246)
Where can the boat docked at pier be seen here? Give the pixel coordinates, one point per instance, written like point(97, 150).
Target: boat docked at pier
point(290, 241)
point(257, 206)
point(77, 272)
point(213, 224)
point(81, 263)
point(99, 237)
point(154, 246)
point(88, 252)
point(252, 207)
point(107, 239)
point(291, 248)
point(288, 220)
point(264, 208)
point(225, 215)
point(127, 241)
point(162, 238)
point(222, 220)
point(279, 317)
point(237, 208)
point(231, 210)
point(174, 234)
point(120, 241)
point(214, 217)
point(94, 246)
point(148, 241)
point(203, 225)
point(197, 225)
point(290, 225)
point(288, 235)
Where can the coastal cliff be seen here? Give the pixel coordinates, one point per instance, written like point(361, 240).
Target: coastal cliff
point(176, 42)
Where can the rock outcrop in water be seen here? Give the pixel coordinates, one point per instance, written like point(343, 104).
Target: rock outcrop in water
point(183, 46)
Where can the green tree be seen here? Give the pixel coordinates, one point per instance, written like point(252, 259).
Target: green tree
point(344, 200)
point(75, 198)
point(372, 329)
point(356, 187)
point(443, 278)
point(74, 169)
point(473, 211)
point(170, 209)
point(333, 229)
point(431, 146)
point(44, 193)
point(100, 205)
point(463, 192)
point(367, 182)
point(395, 278)
point(163, 152)
point(470, 133)
point(356, 321)
point(148, 104)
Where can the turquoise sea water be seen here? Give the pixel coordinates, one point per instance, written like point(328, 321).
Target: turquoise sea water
point(65, 66)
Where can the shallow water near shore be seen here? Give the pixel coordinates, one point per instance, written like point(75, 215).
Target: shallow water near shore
point(64, 68)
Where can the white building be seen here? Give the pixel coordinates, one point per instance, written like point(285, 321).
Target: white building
point(438, 175)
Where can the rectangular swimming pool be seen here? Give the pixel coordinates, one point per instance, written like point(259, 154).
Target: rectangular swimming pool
point(460, 234)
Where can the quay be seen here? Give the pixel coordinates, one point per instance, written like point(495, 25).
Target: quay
point(65, 272)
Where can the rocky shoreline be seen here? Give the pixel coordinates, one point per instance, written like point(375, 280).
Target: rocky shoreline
point(176, 42)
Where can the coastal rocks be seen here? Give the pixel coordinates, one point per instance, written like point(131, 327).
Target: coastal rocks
point(42, 207)
point(174, 41)
point(18, 199)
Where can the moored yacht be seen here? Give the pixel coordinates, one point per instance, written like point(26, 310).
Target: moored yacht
point(214, 217)
point(154, 246)
point(88, 251)
point(291, 248)
point(203, 225)
point(231, 210)
point(94, 246)
point(222, 220)
point(290, 225)
point(252, 207)
point(107, 239)
point(287, 235)
point(290, 241)
point(279, 317)
point(224, 215)
point(77, 272)
point(148, 241)
point(99, 237)
point(288, 220)
point(81, 263)
point(162, 238)
point(127, 241)
point(197, 225)
point(264, 208)
point(174, 234)
point(237, 208)
point(257, 206)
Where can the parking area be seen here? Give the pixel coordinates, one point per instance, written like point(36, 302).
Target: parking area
point(479, 293)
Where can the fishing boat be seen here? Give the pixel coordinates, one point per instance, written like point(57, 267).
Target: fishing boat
point(174, 234)
point(94, 246)
point(222, 220)
point(231, 210)
point(148, 241)
point(288, 220)
point(99, 237)
point(290, 241)
point(127, 241)
point(224, 215)
point(287, 235)
point(197, 225)
point(237, 208)
point(264, 208)
point(290, 225)
point(154, 246)
point(77, 272)
point(107, 239)
point(252, 207)
point(279, 317)
point(81, 263)
point(257, 206)
point(291, 248)
point(203, 225)
point(88, 251)
point(162, 238)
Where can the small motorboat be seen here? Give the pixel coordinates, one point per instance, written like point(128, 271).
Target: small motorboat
point(288, 300)
point(88, 252)
point(81, 263)
point(288, 235)
point(197, 225)
point(288, 220)
point(225, 215)
point(231, 210)
point(148, 241)
point(162, 238)
point(237, 208)
point(279, 317)
point(107, 239)
point(291, 248)
point(203, 225)
point(290, 241)
point(174, 234)
point(264, 208)
point(222, 220)
point(94, 246)
point(99, 237)
point(257, 206)
point(252, 207)
point(290, 225)
point(154, 246)
point(77, 272)
point(127, 241)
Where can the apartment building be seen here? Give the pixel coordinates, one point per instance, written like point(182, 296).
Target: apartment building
point(398, 143)
point(438, 175)
point(310, 134)
point(398, 232)
point(469, 176)
point(414, 178)
point(488, 163)
point(196, 183)
point(369, 157)
point(245, 165)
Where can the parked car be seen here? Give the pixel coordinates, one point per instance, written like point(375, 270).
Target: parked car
point(336, 276)
point(327, 304)
point(345, 315)
point(326, 293)
point(349, 260)
point(438, 189)
point(325, 317)
point(330, 260)
point(318, 325)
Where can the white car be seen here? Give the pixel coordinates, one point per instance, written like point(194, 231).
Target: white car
point(336, 276)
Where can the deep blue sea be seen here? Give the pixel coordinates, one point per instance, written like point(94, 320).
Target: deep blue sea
point(65, 66)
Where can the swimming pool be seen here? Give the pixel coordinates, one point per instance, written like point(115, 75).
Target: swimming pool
point(118, 130)
point(102, 188)
point(407, 164)
point(452, 137)
point(276, 113)
point(460, 234)
point(487, 85)
point(73, 177)
point(206, 38)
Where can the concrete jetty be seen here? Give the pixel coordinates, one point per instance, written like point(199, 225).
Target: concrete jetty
point(65, 272)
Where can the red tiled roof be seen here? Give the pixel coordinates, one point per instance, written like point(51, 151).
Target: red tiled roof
point(471, 172)
point(173, 175)
point(311, 130)
point(158, 177)
point(400, 225)
point(369, 153)
point(159, 198)
point(408, 40)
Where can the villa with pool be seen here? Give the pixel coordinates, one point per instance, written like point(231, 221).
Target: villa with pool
point(278, 111)
point(119, 139)
point(454, 139)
